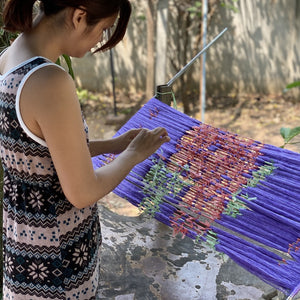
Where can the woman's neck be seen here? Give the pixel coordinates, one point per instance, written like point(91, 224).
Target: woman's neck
point(42, 40)
point(45, 39)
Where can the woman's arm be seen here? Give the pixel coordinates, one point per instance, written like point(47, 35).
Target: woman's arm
point(114, 145)
point(53, 113)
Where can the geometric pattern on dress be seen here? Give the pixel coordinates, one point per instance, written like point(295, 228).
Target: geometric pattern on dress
point(51, 248)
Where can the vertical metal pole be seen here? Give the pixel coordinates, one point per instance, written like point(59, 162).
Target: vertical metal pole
point(113, 79)
point(203, 87)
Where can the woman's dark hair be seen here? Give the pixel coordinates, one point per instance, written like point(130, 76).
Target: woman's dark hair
point(18, 14)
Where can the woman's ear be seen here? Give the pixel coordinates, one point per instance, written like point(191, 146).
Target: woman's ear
point(78, 18)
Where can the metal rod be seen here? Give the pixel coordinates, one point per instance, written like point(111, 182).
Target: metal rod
point(113, 79)
point(203, 81)
point(194, 59)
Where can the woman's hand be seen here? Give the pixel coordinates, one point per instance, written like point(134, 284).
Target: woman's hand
point(122, 141)
point(114, 145)
point(146, 142)
point(118, 144)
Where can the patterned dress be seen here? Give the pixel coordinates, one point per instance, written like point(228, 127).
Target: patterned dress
point(50, 247)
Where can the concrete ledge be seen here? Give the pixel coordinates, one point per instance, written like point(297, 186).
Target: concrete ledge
point(141, 260)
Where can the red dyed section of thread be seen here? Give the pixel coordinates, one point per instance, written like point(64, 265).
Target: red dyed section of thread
point(217, 161)
point(153, 113)
point(294, 246)
point(283, 261)
point(109, 158)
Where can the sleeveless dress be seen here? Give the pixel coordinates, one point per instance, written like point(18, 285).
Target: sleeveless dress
point(51, 248)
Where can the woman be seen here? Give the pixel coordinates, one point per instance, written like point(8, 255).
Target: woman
point(51, 228)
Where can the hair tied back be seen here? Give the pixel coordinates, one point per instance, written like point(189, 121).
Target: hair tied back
point(17, 15)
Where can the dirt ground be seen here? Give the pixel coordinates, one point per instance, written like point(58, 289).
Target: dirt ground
point(257, 117)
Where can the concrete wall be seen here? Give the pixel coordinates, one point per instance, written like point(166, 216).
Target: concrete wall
point(259, 53)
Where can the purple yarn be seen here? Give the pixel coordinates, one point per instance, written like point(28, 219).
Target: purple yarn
point(259, 228)
point(281, 156)
point(167, 209)
point(259, 261)
point(258, 208)
point(275, 202)
point(212, 148)
point(284, 183)
point(234, 240)
point(282, 170)
point(162, 218)
point(272, 217)
point(295, 291)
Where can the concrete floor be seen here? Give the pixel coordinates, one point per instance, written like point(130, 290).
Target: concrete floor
point(141, 260)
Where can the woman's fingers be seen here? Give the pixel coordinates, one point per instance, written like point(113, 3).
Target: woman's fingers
point(148, 141)
point(162, 132)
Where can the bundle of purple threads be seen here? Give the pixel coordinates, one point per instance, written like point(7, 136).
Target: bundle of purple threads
point(240, 196)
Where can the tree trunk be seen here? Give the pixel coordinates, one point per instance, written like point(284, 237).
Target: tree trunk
point(161, 42)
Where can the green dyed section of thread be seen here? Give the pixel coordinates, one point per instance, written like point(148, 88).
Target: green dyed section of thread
point(211, 239)
point(173, 96)
point(261, 174)
point(158, 183)
point(235, 205)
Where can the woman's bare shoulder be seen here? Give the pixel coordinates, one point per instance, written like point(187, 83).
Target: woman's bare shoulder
point(52, 76)
point(49, 93)
point(49, 84)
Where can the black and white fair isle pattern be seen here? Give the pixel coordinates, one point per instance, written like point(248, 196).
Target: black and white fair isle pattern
point(50, 247)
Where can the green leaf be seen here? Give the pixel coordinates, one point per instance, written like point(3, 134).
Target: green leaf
point(58, 62)
point(285, 132)
point(289, 133)
point(198, 4)
point(291, 86)
point(69, 64)
point(294, 132)
point(230, 5)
